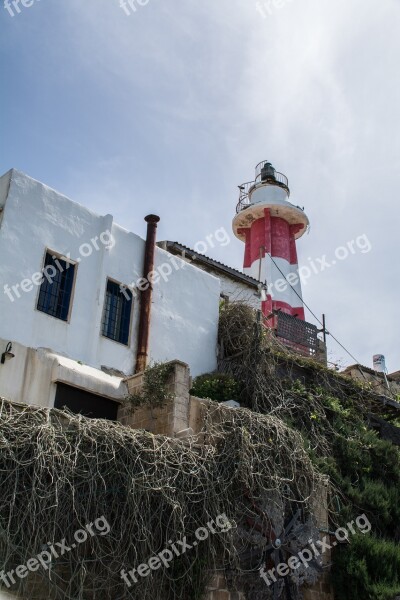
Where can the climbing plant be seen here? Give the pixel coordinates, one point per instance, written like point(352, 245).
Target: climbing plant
point(62, 472)
point(332, 414)
point(298, 424)
point(154, 391)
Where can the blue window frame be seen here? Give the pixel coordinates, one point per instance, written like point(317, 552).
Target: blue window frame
point(56, 289)
point(117, 313)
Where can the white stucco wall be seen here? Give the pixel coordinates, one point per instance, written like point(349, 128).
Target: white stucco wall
point(31, 377)
point(185, 316)
point(237, 291)
point(240, 292)
point(35, 217)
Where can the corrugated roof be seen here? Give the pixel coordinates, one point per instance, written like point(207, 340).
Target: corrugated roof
point(211, 262)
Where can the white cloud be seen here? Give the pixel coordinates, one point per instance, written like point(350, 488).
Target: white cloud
point(188, 96)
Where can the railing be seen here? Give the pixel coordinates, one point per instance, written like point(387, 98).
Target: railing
point(245, 189)
point(297, 334)
point(279, 178)
point(244, 195)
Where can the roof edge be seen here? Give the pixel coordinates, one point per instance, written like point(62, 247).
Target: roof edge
point(211, 262)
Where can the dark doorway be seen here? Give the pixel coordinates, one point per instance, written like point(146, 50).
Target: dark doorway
point(85, 403)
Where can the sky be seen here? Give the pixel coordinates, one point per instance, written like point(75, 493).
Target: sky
point(167, 107)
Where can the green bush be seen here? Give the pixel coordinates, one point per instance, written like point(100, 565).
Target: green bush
point(154, 392)
point(371, 565)
point(216, 386)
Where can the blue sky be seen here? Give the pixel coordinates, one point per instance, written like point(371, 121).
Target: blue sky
point(168, 109)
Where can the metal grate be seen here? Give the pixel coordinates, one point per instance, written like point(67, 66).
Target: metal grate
point(56, 288)
point(117, 313)
point(297, 331)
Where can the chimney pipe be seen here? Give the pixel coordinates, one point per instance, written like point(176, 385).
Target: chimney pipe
point(146, 295)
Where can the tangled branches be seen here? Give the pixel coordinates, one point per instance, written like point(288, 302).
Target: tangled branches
point(60, 472)
point(275, 381)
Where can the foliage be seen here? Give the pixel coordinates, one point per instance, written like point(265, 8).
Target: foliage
point(216, 386)
point(154, 390)
point(372, 566)
point(300, 423)
point(332, 414)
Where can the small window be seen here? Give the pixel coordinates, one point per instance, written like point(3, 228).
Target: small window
point(117, 312)
point(56, 289)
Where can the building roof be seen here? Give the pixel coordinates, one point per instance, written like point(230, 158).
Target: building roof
point(177, 248)
point(392, 377)
point(391, 405)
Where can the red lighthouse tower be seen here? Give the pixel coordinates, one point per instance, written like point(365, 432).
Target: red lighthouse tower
point(270, 225)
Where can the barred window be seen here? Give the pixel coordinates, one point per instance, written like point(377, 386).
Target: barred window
point(56, 289)
point(117, 312)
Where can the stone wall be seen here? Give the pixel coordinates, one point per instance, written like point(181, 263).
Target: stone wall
point(218, 590)
point(322, 590)
point(184, 416)
point(170, 419)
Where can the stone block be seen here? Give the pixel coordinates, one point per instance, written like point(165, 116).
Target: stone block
point(217, 582)
point(221, 595)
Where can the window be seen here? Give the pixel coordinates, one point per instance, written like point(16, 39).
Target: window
point(85, 403)
point(117, 312)
point(56, 289)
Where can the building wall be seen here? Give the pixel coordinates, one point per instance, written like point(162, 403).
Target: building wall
point(170, 419)
point(185, 315)
point(35, 217)
point(376, 379)
point(32, 375)
point(239, 292)
point(235, 290)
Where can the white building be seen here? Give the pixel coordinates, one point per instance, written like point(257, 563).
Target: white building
point(235, 285)
point(66, 312)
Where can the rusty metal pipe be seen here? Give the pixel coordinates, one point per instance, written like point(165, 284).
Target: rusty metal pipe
point(146, 294)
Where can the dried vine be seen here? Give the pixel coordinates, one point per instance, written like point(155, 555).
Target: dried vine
point(300, 391)
point(335, 416)
point(60, 472)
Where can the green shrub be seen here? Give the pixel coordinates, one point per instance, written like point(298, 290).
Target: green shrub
point(216, 386)
point(371, 565)
point(154, 392)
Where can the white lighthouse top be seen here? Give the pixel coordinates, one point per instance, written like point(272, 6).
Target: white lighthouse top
point(269, 190)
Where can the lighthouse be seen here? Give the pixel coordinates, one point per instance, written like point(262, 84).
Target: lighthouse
point(269, 225)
